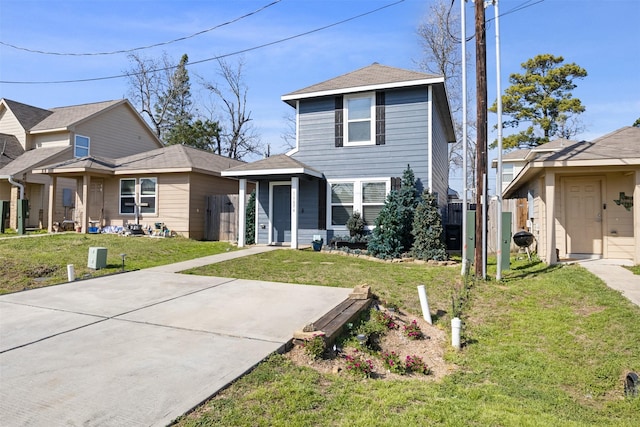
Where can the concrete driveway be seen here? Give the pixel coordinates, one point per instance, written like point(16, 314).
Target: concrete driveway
point(140, 348)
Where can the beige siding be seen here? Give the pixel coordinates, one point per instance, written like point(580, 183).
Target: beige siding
point(11, 126)
point(55, 139)
point(117, 133)
point(619, 239)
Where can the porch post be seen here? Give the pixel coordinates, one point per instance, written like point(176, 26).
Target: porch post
point(295, 183)
point(85, 203)
point(550, 210)
point(242, 212)
point(53, 186)
point(636, 218)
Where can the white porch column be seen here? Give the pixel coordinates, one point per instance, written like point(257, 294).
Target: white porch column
point(636, 218)
point(53, 184)
point(242, 211)
point(550, 211)
point(295, 184)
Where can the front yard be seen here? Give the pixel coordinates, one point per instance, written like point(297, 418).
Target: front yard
point(547, 346)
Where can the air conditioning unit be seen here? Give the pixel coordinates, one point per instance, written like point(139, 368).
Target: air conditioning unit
point(97, 258)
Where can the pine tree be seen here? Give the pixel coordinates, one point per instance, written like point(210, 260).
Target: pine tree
point(175, 104)
point(427, 230)
point(392, 233)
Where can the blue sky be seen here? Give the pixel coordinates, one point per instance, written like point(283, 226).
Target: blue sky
point(600, 36)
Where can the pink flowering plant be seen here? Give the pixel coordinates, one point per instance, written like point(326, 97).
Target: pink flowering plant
point(412, 330)
point(392, 362)
point(357, 366)
point(417, 365)
point(315, 346)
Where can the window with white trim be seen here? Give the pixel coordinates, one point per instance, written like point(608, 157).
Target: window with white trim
point(507, 172)
point(359, 119)
point(145, 198)
point(341, 202)
point(366, 196)
point(81, 146)
point(373, 197)
point(148, 192)
point(128, 196)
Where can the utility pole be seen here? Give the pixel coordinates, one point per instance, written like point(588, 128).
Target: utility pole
point(481, 144)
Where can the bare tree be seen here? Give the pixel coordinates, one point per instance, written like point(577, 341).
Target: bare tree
point(149, 82)
point(439, 36)
point(289, 134)
point(238, 136)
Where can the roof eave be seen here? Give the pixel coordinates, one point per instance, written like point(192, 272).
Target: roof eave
point(365, 88)
point(271, 172)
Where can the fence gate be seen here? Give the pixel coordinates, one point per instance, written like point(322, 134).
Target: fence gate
point(221, 218)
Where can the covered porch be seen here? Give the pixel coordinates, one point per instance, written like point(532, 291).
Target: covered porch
point(290, 201)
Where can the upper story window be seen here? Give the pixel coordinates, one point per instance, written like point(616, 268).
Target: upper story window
point(359, 113)
point(507, 172)
point(81, 146)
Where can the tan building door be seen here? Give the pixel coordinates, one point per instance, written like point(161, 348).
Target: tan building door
point(583, 201)
point(96, 199)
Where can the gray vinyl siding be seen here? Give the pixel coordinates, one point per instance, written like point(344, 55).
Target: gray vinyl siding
point(406, 141)
point(440, 159)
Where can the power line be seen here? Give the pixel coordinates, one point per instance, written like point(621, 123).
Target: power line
point(143, 47)
point(238, 52)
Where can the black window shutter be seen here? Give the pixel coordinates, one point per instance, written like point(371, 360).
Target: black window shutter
point(380, 127)
point(339, 121)
point(322, 204)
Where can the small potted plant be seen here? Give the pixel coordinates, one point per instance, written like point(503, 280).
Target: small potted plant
point(317, 242)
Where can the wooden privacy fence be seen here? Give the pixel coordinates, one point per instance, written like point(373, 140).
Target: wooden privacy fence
point(221, 217)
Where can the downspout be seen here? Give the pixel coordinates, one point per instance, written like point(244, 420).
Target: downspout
point(17, 184)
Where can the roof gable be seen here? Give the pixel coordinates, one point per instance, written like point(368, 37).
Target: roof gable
point(372, 77)
point(27, 115)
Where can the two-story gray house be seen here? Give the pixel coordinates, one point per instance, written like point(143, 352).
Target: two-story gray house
point(355, 135)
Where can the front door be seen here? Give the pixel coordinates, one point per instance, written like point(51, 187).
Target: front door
point(281, 219)
point(583, 201)
point(96, 199)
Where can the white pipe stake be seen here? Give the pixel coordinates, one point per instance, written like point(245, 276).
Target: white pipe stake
point(71, 272)
point(456, 325)
point(426, 314)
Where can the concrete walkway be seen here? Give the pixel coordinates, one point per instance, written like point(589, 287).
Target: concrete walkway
point(612, 272)
point(144, 347)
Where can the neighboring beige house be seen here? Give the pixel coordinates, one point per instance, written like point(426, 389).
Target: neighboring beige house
point(31, 137)
point(167, 185)
point(583, 196)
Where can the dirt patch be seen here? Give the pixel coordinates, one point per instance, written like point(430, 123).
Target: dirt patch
point(430, 348)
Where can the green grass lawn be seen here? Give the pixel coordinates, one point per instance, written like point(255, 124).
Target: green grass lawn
point(31, 262)
point(547, 346)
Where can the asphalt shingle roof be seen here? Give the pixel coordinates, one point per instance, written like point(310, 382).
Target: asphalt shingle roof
point(280, 161)
point(10, 149)
point(27, 115)
point(32, 159)
point(63, 117)
point(372, 75)
point(171, 157)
